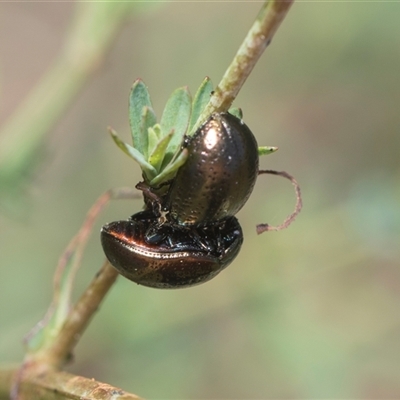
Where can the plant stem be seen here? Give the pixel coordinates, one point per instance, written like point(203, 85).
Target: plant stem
point(258, 38)
point(58, 385)
point(80, 316)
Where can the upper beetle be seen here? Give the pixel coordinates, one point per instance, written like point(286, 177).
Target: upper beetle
point(219, 174)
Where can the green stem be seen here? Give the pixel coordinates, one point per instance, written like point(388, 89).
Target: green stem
point(258, 38)
point(60, 351)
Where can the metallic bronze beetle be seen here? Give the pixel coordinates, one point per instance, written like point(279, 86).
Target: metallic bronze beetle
point(219, 175)
point(190, 234)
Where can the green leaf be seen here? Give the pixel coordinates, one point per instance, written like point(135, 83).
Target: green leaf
point(176, 117)
point(265, 150)
point(157, 156)
point(147, 168)
point(237, 112)
point(201, 99)
point(170, 158)
point(148, 120)
point(154, 135)
point(138, 99)
point(171, 169)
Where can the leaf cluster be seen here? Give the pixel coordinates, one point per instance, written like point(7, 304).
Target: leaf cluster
point(157, 146)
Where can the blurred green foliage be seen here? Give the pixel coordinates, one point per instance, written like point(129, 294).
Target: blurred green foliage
point(309, 312)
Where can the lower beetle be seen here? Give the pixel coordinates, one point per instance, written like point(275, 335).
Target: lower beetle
point(170, 256)
point(190, 234)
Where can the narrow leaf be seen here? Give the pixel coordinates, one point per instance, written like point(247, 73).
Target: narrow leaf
point(138, 99)
point(154, 135)
point(176, 117)
point(157, 156)
point(265, 150)
point(149, 171)
point(169, 158)
point(201, 99)
point(147, 121)
point(237, 112)
point(171, 169)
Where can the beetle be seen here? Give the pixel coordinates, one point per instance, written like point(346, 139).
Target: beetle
point(169, 255)
point(219, 174)
point(191, 233)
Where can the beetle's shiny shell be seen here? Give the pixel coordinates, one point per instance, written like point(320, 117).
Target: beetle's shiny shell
point(219, 174)
point(178, 259)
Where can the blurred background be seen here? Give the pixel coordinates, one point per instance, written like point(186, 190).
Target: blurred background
point(309, 312)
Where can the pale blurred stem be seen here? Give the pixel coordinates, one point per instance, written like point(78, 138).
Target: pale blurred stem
point(92, 31)
point(258, 38)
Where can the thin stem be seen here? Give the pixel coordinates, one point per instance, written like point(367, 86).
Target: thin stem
point(80, 316)
point(258, 38)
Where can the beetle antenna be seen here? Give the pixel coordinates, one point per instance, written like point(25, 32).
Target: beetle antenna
point(261, 228)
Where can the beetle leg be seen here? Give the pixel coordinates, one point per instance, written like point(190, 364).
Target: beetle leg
point(299, 203)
